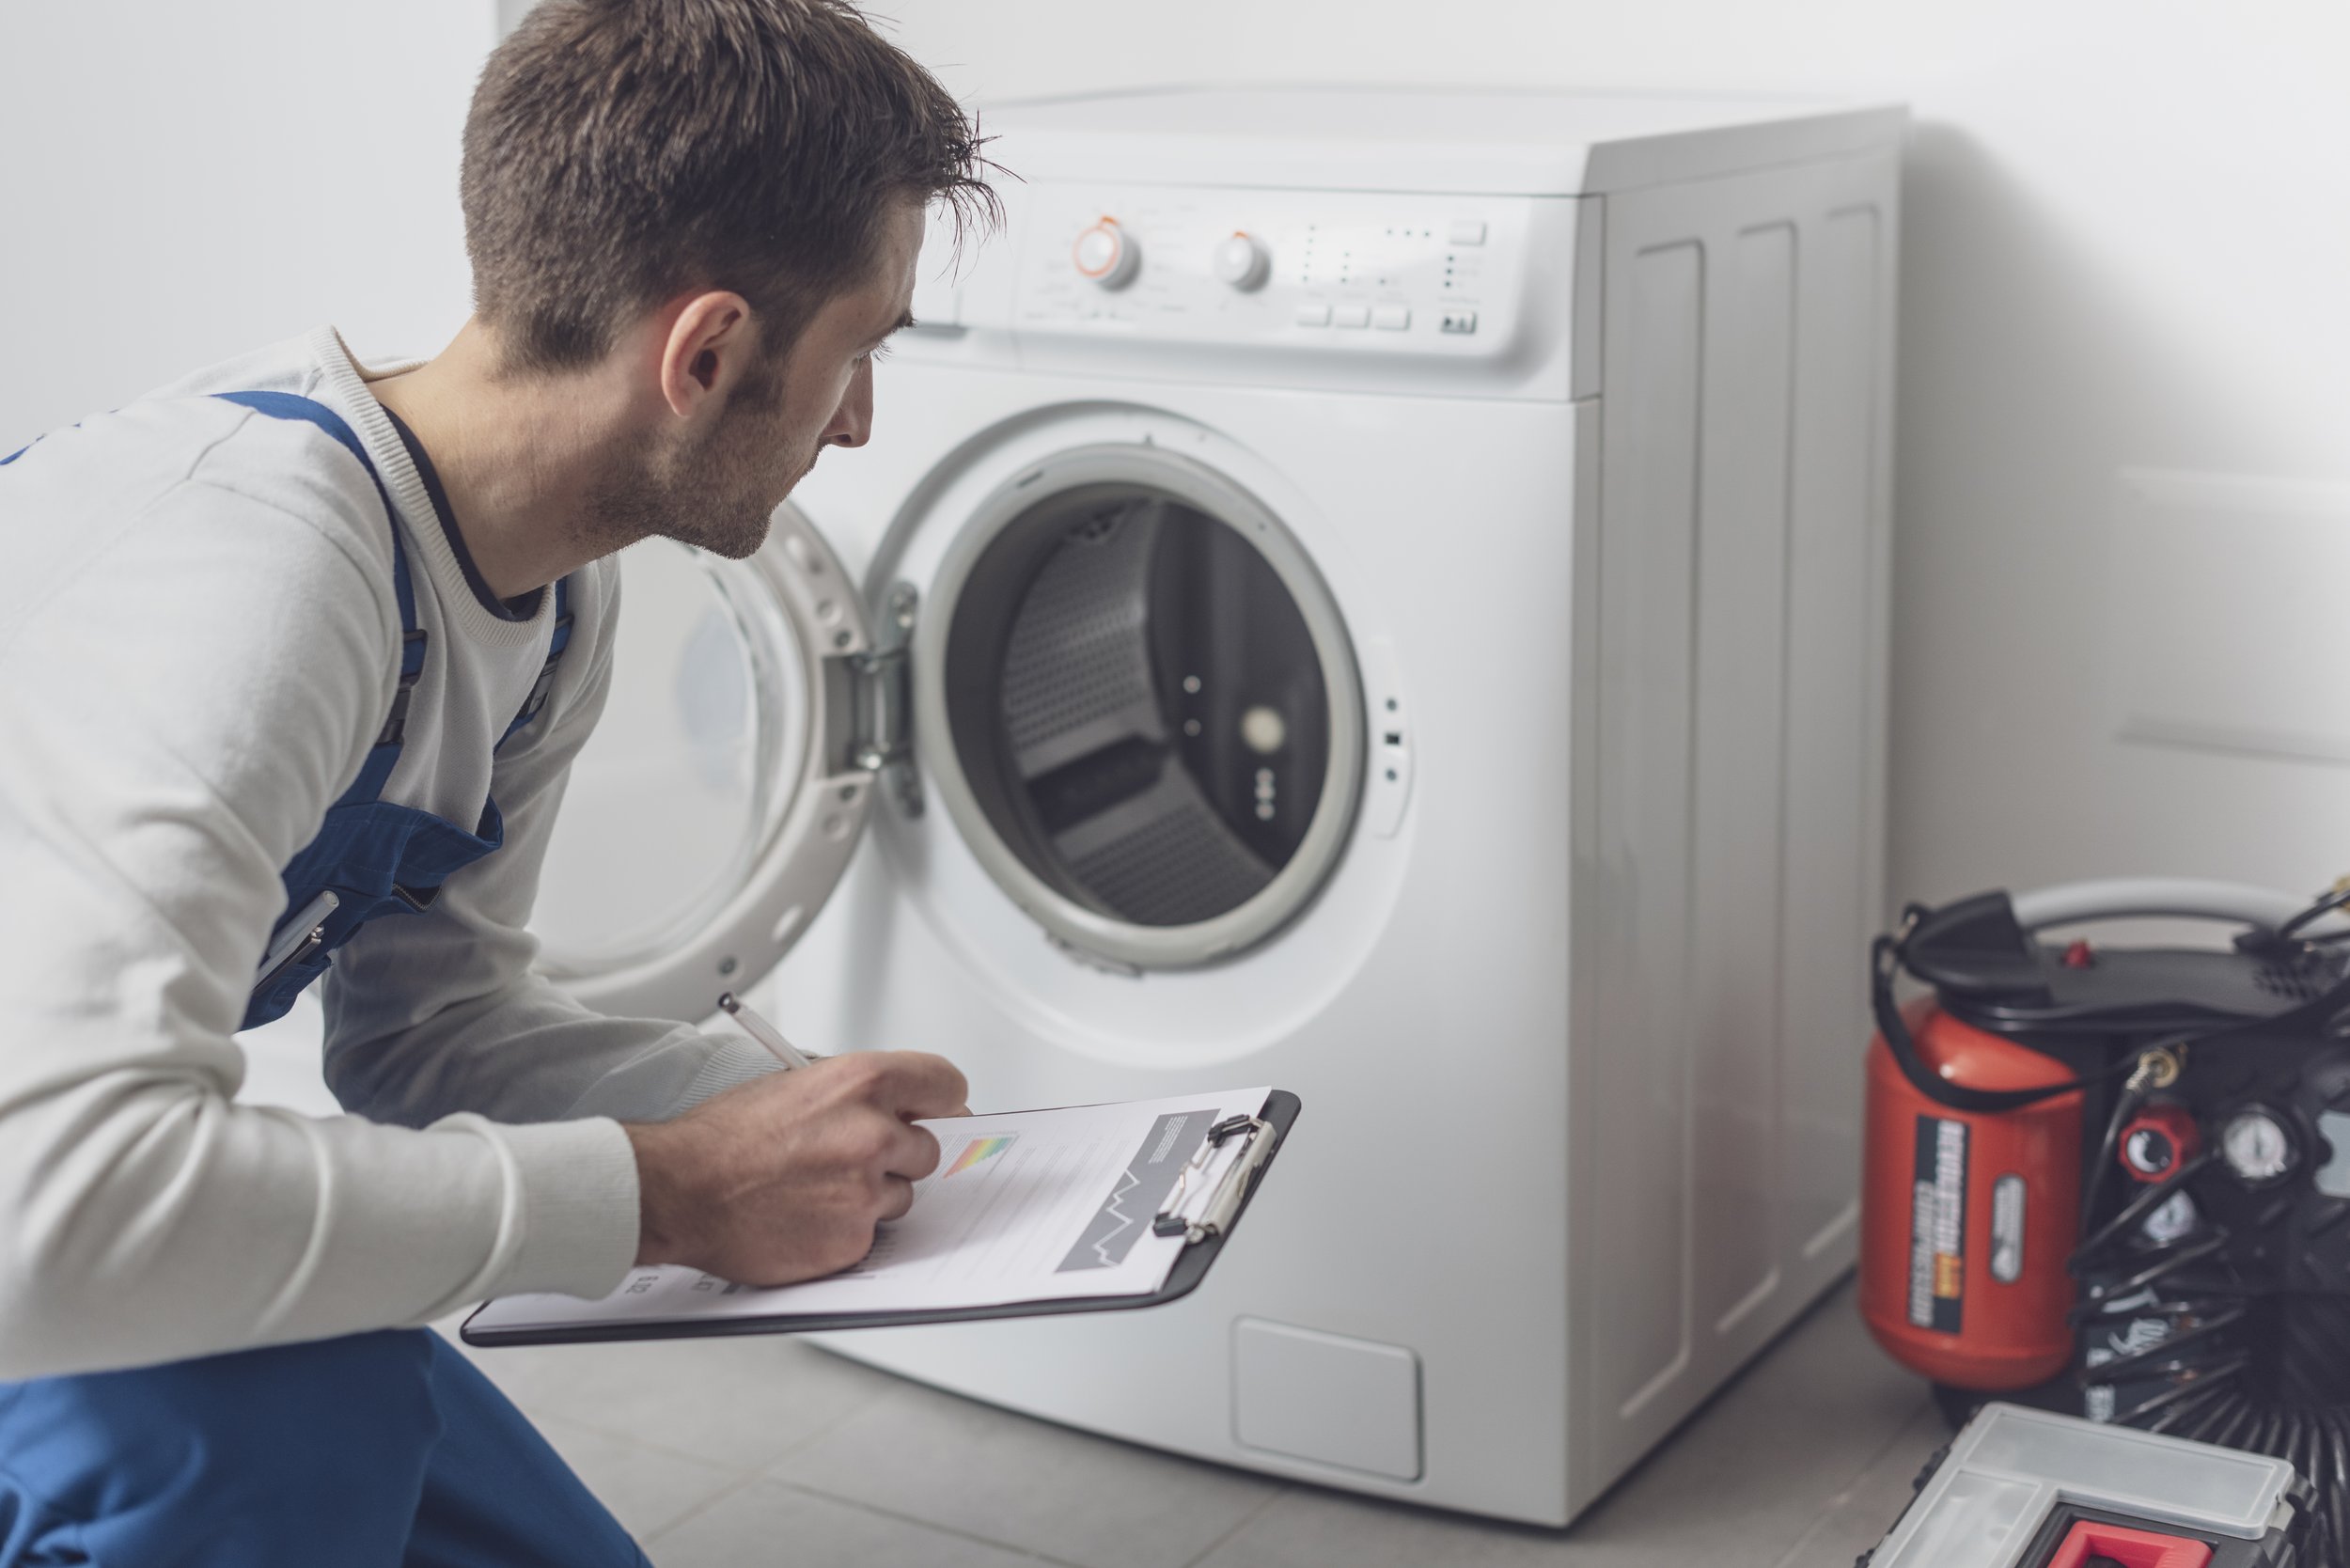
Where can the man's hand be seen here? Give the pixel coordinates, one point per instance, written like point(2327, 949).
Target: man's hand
point(784, 1179)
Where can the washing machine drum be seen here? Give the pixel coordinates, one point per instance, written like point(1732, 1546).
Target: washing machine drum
point(1127, 681)
point(1138, 706)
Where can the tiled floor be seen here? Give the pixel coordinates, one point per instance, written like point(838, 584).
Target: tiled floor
point(755, 1452)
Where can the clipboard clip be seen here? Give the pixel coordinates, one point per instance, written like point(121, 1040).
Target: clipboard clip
point(1199, 1208)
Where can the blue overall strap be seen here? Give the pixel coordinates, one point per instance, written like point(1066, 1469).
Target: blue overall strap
point(385, 752)
point(539, 689)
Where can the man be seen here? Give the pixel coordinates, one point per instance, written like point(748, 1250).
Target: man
point(294, 657)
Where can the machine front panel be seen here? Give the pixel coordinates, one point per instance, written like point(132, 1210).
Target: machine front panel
point(924, 949)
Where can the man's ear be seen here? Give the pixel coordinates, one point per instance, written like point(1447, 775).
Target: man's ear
point(709, 350)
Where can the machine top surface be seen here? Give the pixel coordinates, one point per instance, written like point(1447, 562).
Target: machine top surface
point(1432, 140)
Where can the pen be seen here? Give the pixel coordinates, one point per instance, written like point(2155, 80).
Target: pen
point(761, 1031)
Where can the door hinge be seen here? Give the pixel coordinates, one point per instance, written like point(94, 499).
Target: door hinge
point(883, 743)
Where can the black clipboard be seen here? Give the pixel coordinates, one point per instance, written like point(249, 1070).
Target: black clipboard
point(1278, 1115)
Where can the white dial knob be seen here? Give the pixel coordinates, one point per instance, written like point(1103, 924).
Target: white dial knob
point(1106, 253)
point(1241, 261)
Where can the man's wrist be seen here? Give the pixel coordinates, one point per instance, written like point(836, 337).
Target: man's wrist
point(658, 1214)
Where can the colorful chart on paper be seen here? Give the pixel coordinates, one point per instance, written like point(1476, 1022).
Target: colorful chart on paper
point(979, 1150)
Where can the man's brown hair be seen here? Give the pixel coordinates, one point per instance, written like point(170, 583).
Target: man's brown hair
point(619, 152)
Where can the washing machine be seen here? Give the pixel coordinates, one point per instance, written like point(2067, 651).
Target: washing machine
point(1380, 593)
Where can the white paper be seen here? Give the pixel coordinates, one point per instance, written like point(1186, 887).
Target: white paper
point(1024, 1207)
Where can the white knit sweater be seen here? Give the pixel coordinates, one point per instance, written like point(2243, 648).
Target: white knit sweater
point(198, 645)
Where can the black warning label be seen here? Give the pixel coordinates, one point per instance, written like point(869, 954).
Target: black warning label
point(1938, 1227)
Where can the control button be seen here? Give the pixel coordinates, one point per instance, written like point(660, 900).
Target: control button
point(1391, 318)
point(1459, 324)
point(1465, 231)
point(1106, 253)
point(1241, 261)
point(1313, 315)
point(1352, 316)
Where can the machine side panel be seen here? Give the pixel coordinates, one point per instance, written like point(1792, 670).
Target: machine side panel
point(1585, 904)
point(1647, 637)
point(1835, 723)
point(1742, 683)
point(1882, 198)
point(1740, 776)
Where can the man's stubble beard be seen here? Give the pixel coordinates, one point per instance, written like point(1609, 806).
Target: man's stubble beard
point(718, 494)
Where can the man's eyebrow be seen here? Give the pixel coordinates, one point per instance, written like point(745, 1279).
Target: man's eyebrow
point(902, 323)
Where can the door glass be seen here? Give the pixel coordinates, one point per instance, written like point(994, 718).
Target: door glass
point(1138, 705)
point(673, 799)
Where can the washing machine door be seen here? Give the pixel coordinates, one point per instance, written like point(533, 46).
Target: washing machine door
point(717, 804)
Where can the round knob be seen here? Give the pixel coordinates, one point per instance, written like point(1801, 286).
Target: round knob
point(1241, 261)
point(1106, 253)
point(2157, 1140)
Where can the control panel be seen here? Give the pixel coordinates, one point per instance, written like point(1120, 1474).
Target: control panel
point(1331, 271)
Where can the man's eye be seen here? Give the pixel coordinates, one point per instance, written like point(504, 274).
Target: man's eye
point(875, 355)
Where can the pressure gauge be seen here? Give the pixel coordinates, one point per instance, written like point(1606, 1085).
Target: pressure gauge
point(2256, 1147)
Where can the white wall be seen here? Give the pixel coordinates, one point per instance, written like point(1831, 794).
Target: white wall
point(189, 180)
point(2127, 245)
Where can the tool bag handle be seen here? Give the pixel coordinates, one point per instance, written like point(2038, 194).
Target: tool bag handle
point(1885, 961)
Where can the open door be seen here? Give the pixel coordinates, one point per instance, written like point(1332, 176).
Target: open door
point(750, 720)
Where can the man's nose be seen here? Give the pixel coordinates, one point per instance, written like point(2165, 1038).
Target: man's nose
point(853, 422)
